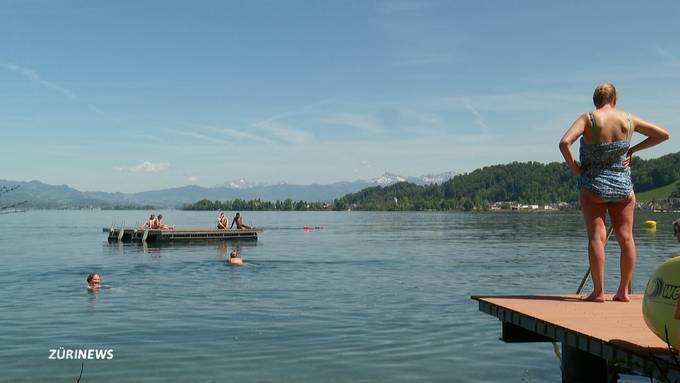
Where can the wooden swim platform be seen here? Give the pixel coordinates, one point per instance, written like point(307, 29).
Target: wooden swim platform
point(597, 338)
point(178, 234)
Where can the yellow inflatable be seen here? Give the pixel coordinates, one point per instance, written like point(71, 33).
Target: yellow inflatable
point(660, 300)
point(650, 224)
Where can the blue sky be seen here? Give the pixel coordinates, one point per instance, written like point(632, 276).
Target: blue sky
point(141, 95)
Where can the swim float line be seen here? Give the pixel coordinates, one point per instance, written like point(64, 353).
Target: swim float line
point(661, 296)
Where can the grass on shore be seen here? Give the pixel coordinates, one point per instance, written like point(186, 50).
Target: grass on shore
point(658, 193)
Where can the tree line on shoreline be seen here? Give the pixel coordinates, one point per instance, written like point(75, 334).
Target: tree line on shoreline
point(518, 182)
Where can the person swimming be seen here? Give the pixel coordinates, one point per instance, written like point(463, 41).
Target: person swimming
point(234, 259)
point(93, 281)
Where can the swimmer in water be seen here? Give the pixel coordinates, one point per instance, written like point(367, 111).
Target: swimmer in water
point(234, 259)
point(93, 281)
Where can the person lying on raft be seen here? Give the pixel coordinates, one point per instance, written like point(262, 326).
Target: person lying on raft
point(147, 224)
point(234, 259)
point(240, 225)
point(160, 225)
point(222, 221)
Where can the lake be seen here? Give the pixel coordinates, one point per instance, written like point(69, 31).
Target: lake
point(371, 297)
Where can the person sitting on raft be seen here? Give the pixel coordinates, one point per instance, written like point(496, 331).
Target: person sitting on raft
point(147, 224)
point(159, 225)
point(222, 221)
point(240, 225)
point(234, 259)
point(93, 281)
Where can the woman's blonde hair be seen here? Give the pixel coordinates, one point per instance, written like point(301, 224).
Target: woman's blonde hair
point(605, 93)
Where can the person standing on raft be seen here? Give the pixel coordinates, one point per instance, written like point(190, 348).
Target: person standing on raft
point(604, 180)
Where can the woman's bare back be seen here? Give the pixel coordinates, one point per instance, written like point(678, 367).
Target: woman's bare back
point(611, 125)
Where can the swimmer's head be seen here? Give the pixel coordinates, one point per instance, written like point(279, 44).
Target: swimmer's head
point(152, 216)
point(93, 279)
point(604, 94)
point(233, 254)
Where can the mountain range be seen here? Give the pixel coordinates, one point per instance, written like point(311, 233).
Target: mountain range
point(43, 196)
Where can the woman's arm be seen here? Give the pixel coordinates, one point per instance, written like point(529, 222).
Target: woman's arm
point(573, 133)
point(655, 135)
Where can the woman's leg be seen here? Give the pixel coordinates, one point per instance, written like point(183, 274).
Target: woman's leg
point(594, 215)
point(622, 214)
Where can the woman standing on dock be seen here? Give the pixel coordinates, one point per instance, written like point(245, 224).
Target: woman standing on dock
point(604, 180)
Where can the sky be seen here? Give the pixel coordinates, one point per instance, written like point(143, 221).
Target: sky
point(142, 95)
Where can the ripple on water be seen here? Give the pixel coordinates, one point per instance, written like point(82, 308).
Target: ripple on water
point(372, 297)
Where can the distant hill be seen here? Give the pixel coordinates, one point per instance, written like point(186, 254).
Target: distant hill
point(671, 190)
point(522, 182)
point(43, 196)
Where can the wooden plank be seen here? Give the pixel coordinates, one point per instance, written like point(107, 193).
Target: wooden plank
point(613, 331)
point(181, 234)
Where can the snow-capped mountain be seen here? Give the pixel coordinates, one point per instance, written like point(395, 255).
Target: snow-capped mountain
point(40, 195)
point(242, 183)
point(390, 178)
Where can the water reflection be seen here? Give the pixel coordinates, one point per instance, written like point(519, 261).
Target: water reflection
point(156, 249)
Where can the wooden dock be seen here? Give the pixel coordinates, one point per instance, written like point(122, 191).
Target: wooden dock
point(178, 234)
point(597, 338)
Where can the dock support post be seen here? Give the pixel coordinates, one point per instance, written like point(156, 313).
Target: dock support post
point(121, 233)
point(580, 366)
point(146, 234)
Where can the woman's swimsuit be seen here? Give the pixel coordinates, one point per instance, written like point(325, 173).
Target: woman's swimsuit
point(603, 171)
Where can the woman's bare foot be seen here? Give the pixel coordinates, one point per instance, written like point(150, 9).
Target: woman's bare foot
point(594, 298)
point(621, 298)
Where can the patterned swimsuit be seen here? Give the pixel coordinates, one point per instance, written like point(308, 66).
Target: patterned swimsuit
point(604, 173)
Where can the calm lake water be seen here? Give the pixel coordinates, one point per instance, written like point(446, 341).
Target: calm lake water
point(374, 297)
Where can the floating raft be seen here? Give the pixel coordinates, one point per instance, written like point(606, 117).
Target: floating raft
point(597, 338)
point(179, 234)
